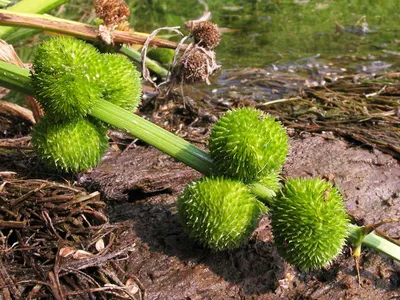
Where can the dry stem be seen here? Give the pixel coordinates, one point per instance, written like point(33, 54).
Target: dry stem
point(76, 29)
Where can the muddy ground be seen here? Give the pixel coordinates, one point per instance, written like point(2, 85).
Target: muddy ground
point(140, 186)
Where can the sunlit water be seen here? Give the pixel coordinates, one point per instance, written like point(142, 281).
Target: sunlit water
point(298, 40)
point(293, 36)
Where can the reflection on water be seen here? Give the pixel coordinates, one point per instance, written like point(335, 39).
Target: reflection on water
point(361, 36)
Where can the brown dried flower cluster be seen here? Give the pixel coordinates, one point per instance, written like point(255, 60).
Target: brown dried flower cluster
point(112, 12)
point(195, 65)
point(198, 61)
point(206, 34)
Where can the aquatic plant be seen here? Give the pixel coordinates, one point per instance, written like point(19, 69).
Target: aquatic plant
point(239, 195)
point(248, 144)
point(70, 76)
point(205, 33)
point(66, 77)
point(72, 145)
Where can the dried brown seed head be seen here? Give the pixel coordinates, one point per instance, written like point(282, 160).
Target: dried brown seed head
point(206, 34)
point(194, 67)
point(112, 12)
point(196, 64)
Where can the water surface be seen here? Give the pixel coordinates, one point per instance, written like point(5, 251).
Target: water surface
point(359, 36)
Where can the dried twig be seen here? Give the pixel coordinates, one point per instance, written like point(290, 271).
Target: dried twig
point(76, 29)
point(145, 70)
point(65, 218)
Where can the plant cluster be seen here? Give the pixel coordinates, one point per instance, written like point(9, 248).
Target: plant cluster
point(198, 62)
point(69, 77)
point(81, 89)
point(309, 220)
point(248, 149)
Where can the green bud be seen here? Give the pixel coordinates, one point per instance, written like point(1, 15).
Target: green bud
point(66, 77)
point(247, 144)
point(219, 213)
point(121, 82)
point(70, 146)
point(309, 223)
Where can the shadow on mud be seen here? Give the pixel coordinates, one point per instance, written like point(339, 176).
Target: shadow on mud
point(254, 267)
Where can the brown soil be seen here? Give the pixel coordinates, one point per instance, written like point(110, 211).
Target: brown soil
point(171, 266)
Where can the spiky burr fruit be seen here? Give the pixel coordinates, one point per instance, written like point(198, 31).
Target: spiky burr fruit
point(205, 34)
point(309, 223)
point(71, 76)
point(66, 77)
point(70, 146)
point(219, 213)
point(120, 82)
point(247, 144)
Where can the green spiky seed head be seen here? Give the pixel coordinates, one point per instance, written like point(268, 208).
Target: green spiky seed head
point(66, 77)
point(219, 213)
point(247, 144)
point(70, 146)
point(309, 222)
point(121, 82)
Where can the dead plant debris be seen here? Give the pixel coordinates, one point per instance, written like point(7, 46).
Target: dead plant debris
point(56, 242)
point(361, 108)
point(367, 113)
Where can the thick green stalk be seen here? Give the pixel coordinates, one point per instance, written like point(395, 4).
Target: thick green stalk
point(17, 78)
point(154, 135)
point(374, 241)
point(151, 64)
point(30, 6)
point(4, 3)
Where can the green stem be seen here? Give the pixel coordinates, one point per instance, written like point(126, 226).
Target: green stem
point(372, 240)
point(30, 6)
point(262, 192)
point(154, 135)
point(17, 78)
point(4, 3)
point(151, 64)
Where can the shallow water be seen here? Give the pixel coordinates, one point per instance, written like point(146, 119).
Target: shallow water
point(293, 36)
point(300, 42)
